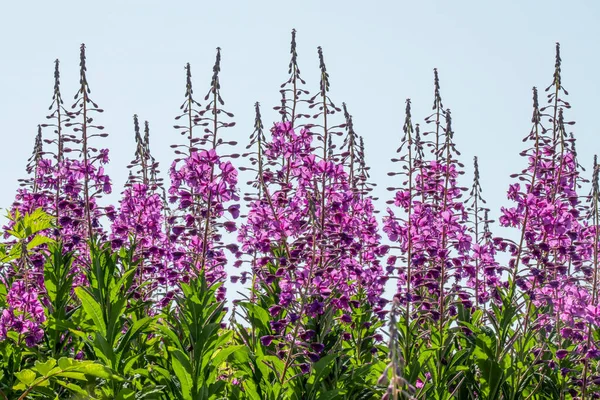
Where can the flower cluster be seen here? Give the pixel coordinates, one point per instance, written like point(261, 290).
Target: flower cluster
point(312, 235)
point(555, 245)
point(288, 217)
point(203, 188)
point(140, 220)
point(434, 238)
point(68, 188)
point(555, 259)
point(24, 314)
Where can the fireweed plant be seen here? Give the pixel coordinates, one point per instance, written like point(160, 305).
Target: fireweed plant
point(315, 248)
point(140, 220)
point(128, 301)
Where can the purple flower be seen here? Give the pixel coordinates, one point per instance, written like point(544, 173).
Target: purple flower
point(561, 353)
point(267, 340)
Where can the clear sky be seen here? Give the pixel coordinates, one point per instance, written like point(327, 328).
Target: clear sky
point(378, 53)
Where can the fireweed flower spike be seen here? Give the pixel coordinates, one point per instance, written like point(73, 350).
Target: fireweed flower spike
point(57, 118)
point(360, 215)
point(22, 279)
point(353, 157)
point(293, 94)
point(30, 196)
point(485, 276)
point(60, 185)
point(277, 218)
point(548, 262)
point(94, 181)
point(316, 262)
point(257, 165)
point(56, 169)
point(434, 239)
point(33, 163)
point(291, 91)
point(437, 117)
point(592, 309)
point(32, 193)
point(202, 185)
point(281, 153)
point(363, 171)
point(350, 149)
point(83, 180)
point(411, 155)
point(526, 277)
point(24, 313)
point(140, 220)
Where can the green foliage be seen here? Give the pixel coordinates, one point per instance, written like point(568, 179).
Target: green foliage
point(25, 235)
point(109, 322)
point(58, 281)
point(196, 346)
point(76, 376)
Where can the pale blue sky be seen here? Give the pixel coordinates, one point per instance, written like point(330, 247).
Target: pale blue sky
point(378, 53)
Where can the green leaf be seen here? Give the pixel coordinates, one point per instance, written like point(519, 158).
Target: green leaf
point(275, 364)
point(45, 368)
point(222, 355)
point(321, 368)
point(125, 394)
point(115, 292)
point(491, 377)
point(169, 335)
point(73, 375)
point(163, 372)
point(92, 309)
point(103, 350)
point(38, 241)
point(242, 361)
point(66, 363)
point(26, 376)
point(257, 316)
point(72, 387)
point(99, 371)
point(37, 221)
point(251, 390)
point(137, 327)
point(183, 371)
point(115, 322)
point(130, 361)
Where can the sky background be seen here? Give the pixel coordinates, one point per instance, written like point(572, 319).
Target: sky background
point(378, 53)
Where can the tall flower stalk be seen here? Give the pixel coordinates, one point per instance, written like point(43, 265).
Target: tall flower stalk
point(434, 238)
point(594, 231)
point(202, 183)
point(314, 240)
point(94, 182)
point(139, 222)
